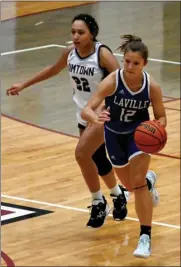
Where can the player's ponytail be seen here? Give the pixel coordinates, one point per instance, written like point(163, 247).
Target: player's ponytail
point(128, 38)
point(133, 43)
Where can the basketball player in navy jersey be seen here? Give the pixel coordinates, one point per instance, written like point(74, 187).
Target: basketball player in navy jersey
point(88, 62)
point(127, 94)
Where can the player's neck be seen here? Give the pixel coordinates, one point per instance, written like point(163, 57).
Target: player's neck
point(87, 50)
point(134, 83)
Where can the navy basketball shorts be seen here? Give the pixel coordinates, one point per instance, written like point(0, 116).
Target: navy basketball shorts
point(120, 147)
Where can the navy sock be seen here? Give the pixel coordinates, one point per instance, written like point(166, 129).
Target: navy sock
point(149, 184)
point(144, 229)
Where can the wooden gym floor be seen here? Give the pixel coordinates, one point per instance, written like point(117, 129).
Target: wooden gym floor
point(44, 197)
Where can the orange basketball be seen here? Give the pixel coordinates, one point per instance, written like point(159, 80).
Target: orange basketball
point(150, 137)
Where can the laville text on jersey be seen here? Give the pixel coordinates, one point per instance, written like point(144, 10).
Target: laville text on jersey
point(131, 103)
point(81, 69)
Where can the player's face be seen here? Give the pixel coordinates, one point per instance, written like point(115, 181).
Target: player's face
point(133, 64)
point(81, 35)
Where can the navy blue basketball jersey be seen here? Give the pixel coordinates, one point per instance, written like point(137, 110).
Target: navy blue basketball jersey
point(127, 108)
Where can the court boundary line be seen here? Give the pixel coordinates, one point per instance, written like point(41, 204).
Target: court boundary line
point(80, 209)
point(44, 11)
point(71, 135)
point(64, 46)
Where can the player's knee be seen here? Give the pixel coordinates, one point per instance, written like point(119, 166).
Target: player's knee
point(79, 154)
point(102, 162)
point(104, 167)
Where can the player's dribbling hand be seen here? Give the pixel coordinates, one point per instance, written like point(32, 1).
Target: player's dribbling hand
point(14, 89)
point(159, 123)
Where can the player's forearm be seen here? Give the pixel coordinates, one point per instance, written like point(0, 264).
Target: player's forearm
point(45, 74)
point(89, 115)
point(100, 108)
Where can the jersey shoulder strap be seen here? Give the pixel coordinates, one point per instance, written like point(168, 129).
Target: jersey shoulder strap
point(98, 48)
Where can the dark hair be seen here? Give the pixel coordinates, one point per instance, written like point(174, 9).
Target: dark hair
point(90, 22)
point(135, 44)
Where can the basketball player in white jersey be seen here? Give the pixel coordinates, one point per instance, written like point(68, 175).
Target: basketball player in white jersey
point(88, 63)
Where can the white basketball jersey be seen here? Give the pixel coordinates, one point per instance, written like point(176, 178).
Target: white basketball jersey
point(85, 74)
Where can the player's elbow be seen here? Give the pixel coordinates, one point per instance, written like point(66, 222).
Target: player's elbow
point(84, 114)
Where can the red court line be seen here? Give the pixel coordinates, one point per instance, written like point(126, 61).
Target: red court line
point(167, 156)
point(37, 126)
point(7, 259)
point(165, 102)
point(177, 109)
point(70, 135)
point(172, 97)
point(170, 100)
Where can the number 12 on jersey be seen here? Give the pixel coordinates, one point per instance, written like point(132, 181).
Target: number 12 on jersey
point(126, 115)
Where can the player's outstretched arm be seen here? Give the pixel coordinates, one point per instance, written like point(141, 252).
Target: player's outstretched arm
point(45, 74)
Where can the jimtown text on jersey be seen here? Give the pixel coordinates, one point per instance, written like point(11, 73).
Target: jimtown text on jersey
point(81, 69)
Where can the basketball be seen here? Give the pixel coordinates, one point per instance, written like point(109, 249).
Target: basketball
point(150, 137)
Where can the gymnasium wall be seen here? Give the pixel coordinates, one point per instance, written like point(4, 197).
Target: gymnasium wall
point(15, 9)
